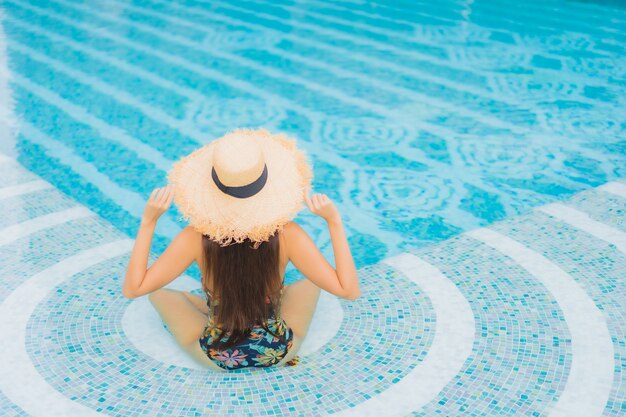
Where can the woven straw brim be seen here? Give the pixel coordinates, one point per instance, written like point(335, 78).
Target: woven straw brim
point(226, 219)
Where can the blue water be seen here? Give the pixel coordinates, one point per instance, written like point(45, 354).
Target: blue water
point(421, 119)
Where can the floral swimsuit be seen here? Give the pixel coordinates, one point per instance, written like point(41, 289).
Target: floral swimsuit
point(259, 349)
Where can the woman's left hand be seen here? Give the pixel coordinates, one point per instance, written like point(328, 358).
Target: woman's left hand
point(158, 203)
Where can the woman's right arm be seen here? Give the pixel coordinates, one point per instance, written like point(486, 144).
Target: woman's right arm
point(341, 281)
point(345, 268)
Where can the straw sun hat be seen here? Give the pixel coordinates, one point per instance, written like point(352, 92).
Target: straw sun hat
point(246, 184)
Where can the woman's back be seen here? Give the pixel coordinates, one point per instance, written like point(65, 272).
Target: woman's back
point(244, 289)
point(207, 280)
point(275, 341)
point(297, 247)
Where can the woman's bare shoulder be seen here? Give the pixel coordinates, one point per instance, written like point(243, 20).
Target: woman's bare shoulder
point(296, 238)
point(287, 234)
point(193, 239)
point(292, 228)
point(291, 231)
point(191, 234)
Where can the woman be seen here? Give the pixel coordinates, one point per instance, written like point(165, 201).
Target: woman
point(239, 194)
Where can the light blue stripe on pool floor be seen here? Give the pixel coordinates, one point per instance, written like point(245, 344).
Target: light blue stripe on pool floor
point(616, 188)
point(366, 105)
point(23, 188)
point(582, 221)
point(17, 231)
point(41, 249)
point(326, 66)
point(12, 177)
point(20, 208)
point(461, 213)
point(126, 199)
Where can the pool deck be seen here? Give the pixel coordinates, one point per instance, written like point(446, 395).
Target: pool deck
point(524, 317)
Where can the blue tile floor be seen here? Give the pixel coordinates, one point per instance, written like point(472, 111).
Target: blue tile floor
point(524, 317)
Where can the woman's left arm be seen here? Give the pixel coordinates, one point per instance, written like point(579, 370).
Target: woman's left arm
point(141, 280)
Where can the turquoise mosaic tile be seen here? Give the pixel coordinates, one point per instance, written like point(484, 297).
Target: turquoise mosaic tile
point(34, 253)
point(8, 409)
point(599, 268)
point(604, 207)
point(27, 206)
point(383, 335)
point(521, 356)
point(427, 123)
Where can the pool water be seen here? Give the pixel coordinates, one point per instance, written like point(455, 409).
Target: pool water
point(421, 120)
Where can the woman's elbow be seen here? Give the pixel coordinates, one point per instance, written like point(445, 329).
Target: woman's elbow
point(353, 295)
point(128, 293)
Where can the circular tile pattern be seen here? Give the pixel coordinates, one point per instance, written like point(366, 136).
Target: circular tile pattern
point(522, 354)
point(599, 270)
point(75, 340)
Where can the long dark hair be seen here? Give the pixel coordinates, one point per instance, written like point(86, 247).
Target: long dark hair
point(242, 278)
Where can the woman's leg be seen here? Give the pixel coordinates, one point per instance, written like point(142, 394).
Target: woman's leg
point(297, 308)
point(198, 301)
point(298, 305)
point(184, 321)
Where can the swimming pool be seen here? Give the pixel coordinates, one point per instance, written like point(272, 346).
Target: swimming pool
point(476, 149)
point(421, 120)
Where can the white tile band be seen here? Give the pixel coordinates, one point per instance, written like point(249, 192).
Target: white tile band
point(20, 230)
point(591, 374)
point(614, 187)
point(25, 188)
point(19, 380)
point(452, 344)
point(582, 221)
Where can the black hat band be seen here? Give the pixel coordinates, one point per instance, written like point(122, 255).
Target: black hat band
point(244, 191)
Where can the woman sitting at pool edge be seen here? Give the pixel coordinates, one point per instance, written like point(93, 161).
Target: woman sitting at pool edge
point(239, 194)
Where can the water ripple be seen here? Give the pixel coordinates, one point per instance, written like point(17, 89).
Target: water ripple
point(401, 194)
point(350, 136)
point(222, 115)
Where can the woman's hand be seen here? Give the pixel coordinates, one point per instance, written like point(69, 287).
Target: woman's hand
point(323, 206)
point(158, 203)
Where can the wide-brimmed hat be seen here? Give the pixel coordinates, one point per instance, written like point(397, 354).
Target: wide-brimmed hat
point(246, 184)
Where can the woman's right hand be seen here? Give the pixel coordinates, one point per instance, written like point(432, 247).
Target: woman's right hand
point(322, 206)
